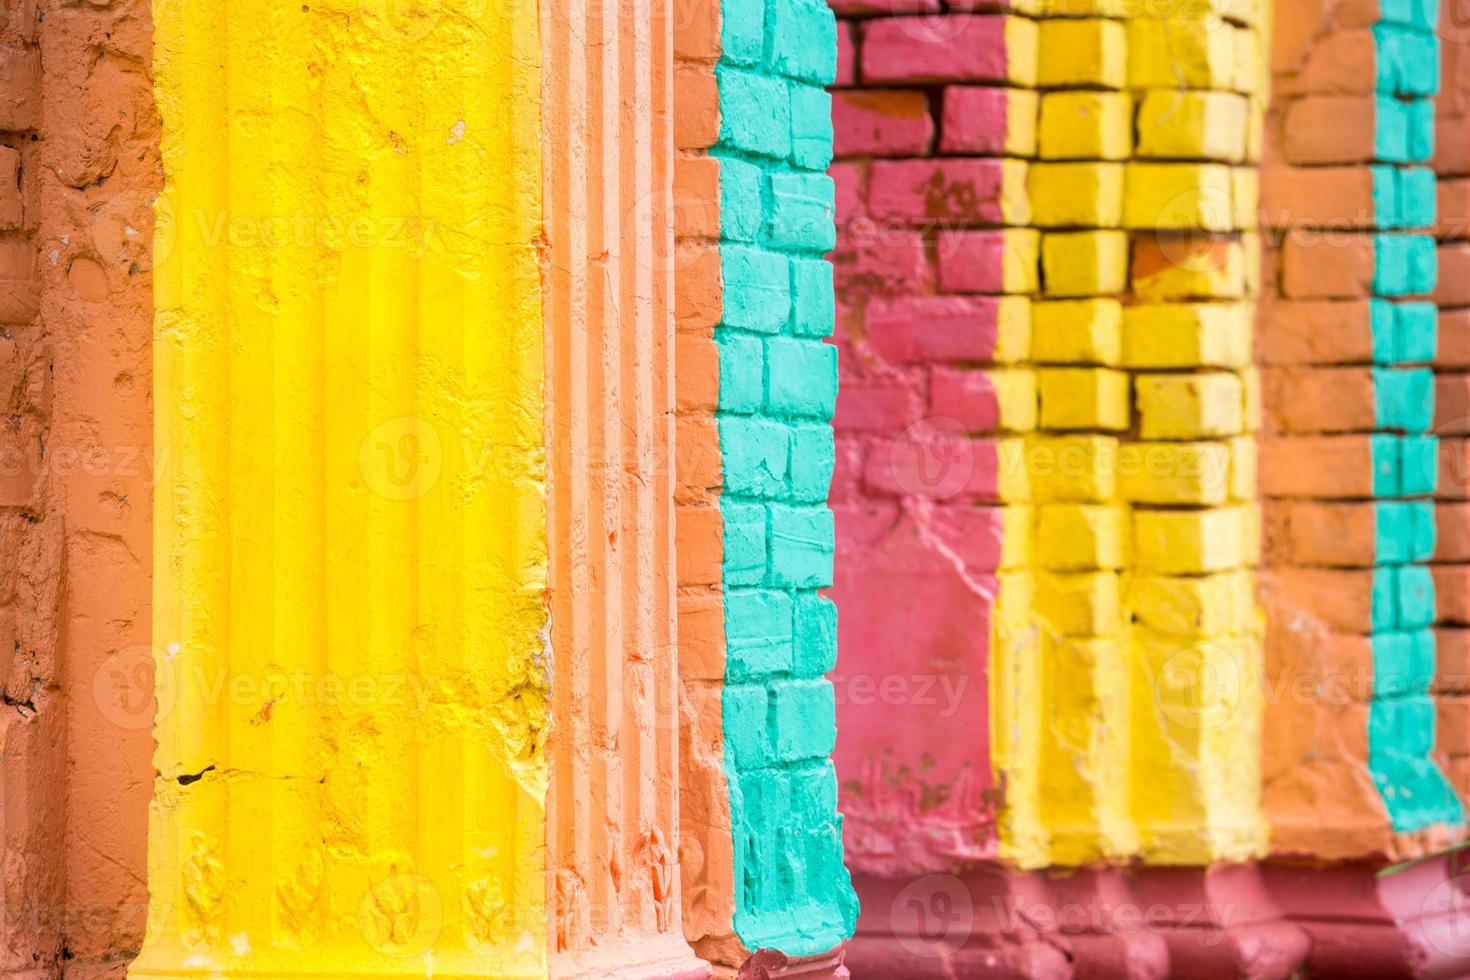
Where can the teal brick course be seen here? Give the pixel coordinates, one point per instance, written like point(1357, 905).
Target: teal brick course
point(778, 385)
point(1401, 720)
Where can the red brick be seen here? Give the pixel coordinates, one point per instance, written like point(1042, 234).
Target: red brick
point(847, 53)
point(1454, 469)
point(906, 329)
point(1341, 535)
point(1453, 287)
point(1452, 404)
point(20, 88)
point(970, 261)
point(1454, 209)
point(1329, 129)
point(1452, 593)
point(1454, 339)
point(1323, 467)
point(972, 534)
point(1452, 736)
point(871, 258)
point(1452, 146)
point(922, 191)
point(1452, 531)
point(1334, 266)
point(968, 397)
point(11, 212)
point(883, 123)
point(933, 466)
point(1330, 399)
point(1317, 197)
point(1452, 660)
point(849, 179)
point(974, 120)
point(1315, 332)
point(874, 407)
point(957, 48)
point(844, 8)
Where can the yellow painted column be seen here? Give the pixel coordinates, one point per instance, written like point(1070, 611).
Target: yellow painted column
point(350, 519)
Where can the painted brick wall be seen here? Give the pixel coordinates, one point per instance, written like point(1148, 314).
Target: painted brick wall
point(778, 385)
point(1045, 433)
point(1451, 566)
point(757, 385)
point(1349, 466)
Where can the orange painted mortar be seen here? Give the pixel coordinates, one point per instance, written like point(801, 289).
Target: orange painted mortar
point(76, 363)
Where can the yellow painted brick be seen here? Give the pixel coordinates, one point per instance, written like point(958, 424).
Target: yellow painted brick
point(1174, 473)
point(1199, 741)
point(1245, 195)
point(1179, 196)
point(1080, 468)
point(1085, 604)
point(1255, 133)
point(1180, 53)
point(1244, 469)
point(1117, 9)
point(1021, 260)
point(1186, 406)
point(1013, 482)
point(1086, 125)
point(1084, 263)
point(1022, 106)
point(1078, 331)
point(1015, 396)
point(1022, 46)
point(1013, 330)
point(1084, 760)
point(1083, 398)
point(1178, 335)
point(1189, 542)
point(1188, 267)
point(1216, 605)
point(1015, 195)
point(1248, 66)
point(1182, 125)
point(1079, 537)
point(1015, 608)
point(1090, 52)
point(1015, 542)
point(1072, 195)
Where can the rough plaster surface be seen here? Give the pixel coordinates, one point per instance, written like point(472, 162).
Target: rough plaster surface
point(350, 535)
point(80, 166)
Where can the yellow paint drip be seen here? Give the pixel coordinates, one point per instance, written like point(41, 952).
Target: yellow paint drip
point(350, 529)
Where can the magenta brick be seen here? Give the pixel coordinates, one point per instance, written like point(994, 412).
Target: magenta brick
point(874, 407)
point(974, 120)
point(844, 8)
point(923, 190)
point(848, 179)
point(972, 534)
point(883, 123)
point(968, 397)
point(957, 48)
point(933, 466)
point(970, 261)
point(846, 53)
point(872, 258)
point(907, 329)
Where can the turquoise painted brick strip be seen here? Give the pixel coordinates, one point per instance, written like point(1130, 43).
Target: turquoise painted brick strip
point(1401, 718)
point(778, 390)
